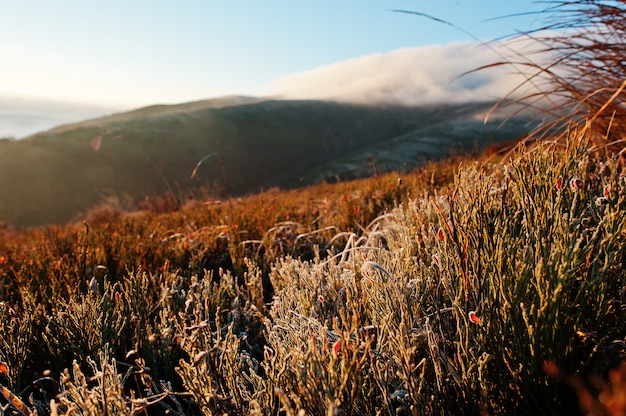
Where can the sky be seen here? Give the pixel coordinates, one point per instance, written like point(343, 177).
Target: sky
point(115, 55)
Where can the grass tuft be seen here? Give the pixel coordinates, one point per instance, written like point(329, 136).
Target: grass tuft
point(468, 287)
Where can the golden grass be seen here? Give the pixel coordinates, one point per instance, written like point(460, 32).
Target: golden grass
point(490, 287)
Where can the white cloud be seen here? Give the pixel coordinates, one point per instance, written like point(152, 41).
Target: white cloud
point(421, 75)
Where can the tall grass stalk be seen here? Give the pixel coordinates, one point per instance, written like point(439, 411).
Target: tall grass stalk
point(574, 70)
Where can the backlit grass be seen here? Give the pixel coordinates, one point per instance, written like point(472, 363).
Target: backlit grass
point(468, 287)
point(480, 290)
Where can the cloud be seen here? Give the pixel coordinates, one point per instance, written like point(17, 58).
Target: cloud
point(412, 76)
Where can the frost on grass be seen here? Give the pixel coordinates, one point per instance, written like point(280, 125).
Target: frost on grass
point(489, 293)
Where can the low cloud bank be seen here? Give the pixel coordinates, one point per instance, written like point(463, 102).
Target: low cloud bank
point(412, 76)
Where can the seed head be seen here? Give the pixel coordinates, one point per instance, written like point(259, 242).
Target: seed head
point(337, 347)
point(474, 318)
point(577, 184)
point(601, 200)
point(559, 183)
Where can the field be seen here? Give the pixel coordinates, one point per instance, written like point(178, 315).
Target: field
point(488, 283)
point(461, 288)
point(245, 145)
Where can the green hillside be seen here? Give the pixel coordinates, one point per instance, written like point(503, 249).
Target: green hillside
point(56, 176)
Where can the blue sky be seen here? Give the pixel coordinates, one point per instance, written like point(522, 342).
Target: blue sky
point(129, 53)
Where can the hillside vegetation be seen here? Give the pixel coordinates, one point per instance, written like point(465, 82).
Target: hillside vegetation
point(472, 285)
point(245, 145)
point(462, 288)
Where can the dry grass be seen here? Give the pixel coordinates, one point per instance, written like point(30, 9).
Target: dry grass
point(500, 289)
point(466, 288)
point(573, 69)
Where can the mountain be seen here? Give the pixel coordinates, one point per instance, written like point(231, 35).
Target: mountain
point(245, 144)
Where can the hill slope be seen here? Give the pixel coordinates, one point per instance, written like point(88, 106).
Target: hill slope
point(249, 144)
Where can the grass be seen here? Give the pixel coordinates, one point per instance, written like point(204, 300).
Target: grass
point(468, 287)
point(573, 69)
point(57, 176)
point(491, 286)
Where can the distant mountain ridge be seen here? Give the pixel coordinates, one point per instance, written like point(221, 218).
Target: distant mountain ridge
point(159, 110)
point(247, 144)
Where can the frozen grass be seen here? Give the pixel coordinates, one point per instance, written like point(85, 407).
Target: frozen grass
point(492, 287)
point(501, 290)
